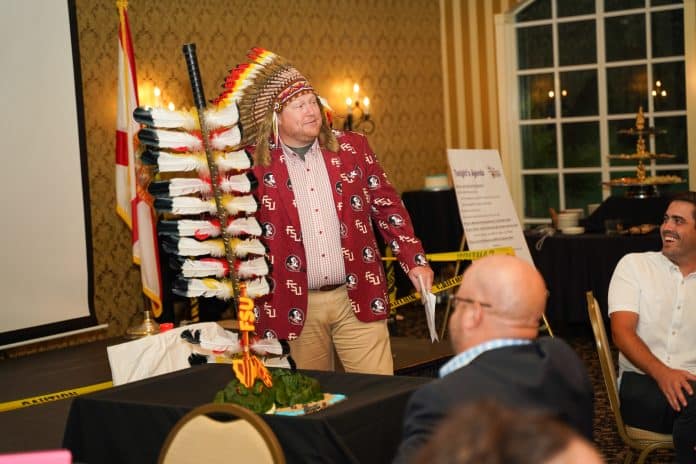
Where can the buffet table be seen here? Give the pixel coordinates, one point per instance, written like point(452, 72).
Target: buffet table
point(130, 423)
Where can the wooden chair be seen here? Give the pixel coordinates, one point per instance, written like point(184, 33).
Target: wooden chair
point(221, 433)
point(643, 441)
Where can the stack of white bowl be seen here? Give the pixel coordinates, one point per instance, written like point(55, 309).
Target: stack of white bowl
point(568, 220)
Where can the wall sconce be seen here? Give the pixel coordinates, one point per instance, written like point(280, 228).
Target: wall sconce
point(151, 95)
point(552, 94)
point(357, 116)
point(659, 90)
point(157, 92)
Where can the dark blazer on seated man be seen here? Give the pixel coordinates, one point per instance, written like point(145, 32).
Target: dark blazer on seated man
point(493, 330)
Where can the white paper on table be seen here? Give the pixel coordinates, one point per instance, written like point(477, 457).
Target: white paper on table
point(167, 352)
point(429, 300)
point(156, 354)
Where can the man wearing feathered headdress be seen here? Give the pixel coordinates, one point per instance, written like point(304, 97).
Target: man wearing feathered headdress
point(321, 209)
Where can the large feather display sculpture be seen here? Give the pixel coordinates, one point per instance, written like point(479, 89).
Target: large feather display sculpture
point(215, 234)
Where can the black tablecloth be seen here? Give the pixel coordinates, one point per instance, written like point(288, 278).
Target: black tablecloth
point(128, 424)
point(629, 211)
point(435, 217)
point(574, 264)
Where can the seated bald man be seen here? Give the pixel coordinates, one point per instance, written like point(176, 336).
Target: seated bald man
point(493, 331)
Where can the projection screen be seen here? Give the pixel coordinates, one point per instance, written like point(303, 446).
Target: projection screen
point(46, 266)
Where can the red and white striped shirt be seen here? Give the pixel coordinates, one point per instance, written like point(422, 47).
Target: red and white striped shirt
point(321, 231)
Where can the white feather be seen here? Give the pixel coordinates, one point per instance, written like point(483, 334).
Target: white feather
point(265, 346)
point(177, 140)
point(167, 162)
point(233, 161)
point(202, 268)
point(256, 267)
point(249, 269)
point(192, 205)
point(222, 117)
point(180, 186)
point(215, 247)
point(196, 161)
point(219, 340)
point(209, 288)
point(244, 204)
point(193, 227)
point(192, 247)
point(257, 287)
point(229, 139)
point(244, 226)
point(164, 118)
point(236, 183)
point(251, 246)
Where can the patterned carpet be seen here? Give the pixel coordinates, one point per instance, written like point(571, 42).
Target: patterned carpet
point(605, 436)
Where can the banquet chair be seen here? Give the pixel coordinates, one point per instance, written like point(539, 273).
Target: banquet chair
point(221, 432)
point(643, 441)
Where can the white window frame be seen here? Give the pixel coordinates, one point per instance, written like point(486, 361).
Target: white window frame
point(508, 96)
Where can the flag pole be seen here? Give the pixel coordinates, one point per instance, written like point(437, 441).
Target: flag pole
point(131, 204)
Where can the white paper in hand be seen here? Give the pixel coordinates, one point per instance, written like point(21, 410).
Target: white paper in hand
point(429, 300)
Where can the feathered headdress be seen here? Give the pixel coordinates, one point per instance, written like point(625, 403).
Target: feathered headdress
point(260, 89)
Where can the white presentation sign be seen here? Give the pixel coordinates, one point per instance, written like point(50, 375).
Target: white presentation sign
point(485, 206)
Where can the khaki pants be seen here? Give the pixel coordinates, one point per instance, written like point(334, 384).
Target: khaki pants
point(361, 346)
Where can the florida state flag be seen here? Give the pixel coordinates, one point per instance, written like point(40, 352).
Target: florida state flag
point(130, 194)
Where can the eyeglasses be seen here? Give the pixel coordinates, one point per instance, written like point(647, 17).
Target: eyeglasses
point(457, 300)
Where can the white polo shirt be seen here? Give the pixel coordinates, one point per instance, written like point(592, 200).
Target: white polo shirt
point(652, 286)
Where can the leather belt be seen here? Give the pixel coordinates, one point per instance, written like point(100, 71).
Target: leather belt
point(327, 288)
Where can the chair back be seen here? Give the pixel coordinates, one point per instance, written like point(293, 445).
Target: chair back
point(221, 432)
point(639, 439)
point(606, 360)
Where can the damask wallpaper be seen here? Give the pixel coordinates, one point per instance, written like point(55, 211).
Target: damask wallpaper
point(391, 47)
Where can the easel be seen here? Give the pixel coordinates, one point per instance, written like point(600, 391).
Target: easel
point(457, 266)
point(545, 327)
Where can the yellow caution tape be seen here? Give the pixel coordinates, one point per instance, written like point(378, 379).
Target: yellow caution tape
point(446, 285)
point(464, 255)
point(437, 288)
point(47, 398)
point(470, 255)
point(454, 281)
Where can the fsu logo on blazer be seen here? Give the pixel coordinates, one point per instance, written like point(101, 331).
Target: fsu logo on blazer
point(293, 263)
point(378, 306)
point(368, 255)
point(269, 180)
point(351, 281)
point(296, 316)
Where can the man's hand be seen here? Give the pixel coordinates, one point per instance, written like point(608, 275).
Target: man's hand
point(674, 384)
point(426, 274)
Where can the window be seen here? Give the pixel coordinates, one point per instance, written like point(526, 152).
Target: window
point(581, 71)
